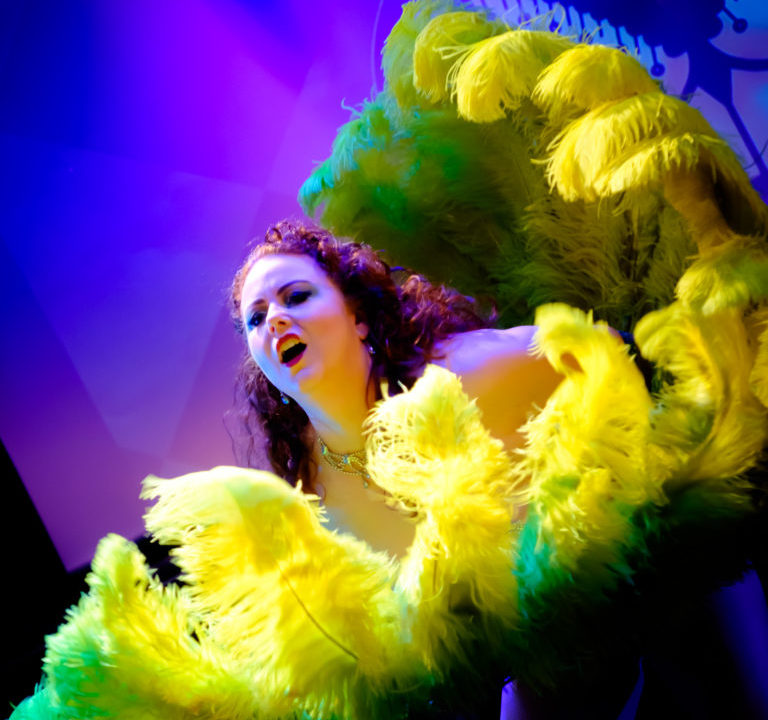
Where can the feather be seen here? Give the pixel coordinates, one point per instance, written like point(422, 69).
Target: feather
point(707, 416)
point(588, 148)
point(591, 256)
point(666, 259)
point(436, 197)
point(315, 607)
point(576, 623)
point(440, 43)
point(733, 275)
point(42, 705)
point(428, 448)
point(501, 71)
point(705, 196)
point(397, 55)
point(635, 144)
point(315, 187)
point(586, 452)
point(587, 76)
point(132, 649)
point(758, 330)
point(650, 161)
point(654, 492)
point(463, 203)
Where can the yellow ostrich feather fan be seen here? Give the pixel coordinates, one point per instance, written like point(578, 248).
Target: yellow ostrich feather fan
point(446, 38)
point(499, 72)
point(314, 609)
point(589, 150)
point(648, 162)
point(635, 144)
point(586, 452)
point(587, 76)
point(708, 416)
point(132, 649)
point(430, 450)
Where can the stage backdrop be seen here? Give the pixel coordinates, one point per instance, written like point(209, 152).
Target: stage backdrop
point(143, 143)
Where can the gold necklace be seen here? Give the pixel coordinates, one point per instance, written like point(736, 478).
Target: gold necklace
point(352, 463)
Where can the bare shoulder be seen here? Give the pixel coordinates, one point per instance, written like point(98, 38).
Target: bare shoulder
point(499, 369)
point(476, 350)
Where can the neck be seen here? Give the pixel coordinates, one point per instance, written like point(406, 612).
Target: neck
point(338, 418)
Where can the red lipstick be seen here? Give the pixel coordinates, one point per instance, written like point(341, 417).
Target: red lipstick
point(290, 349)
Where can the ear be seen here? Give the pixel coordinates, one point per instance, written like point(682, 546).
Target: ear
point(362, 330)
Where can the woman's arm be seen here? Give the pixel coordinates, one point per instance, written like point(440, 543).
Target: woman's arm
point(498, 368)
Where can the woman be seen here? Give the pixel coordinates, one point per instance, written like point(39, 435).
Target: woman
point(328, 331)
point(326, 325)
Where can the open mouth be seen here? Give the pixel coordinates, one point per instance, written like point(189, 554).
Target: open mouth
point(292, 351)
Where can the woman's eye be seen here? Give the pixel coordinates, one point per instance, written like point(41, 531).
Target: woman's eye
point(255, 318)
point(297, 297)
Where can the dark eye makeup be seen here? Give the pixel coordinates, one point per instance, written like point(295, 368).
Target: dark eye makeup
point(290, 299)
point(255, 319)
point(296, 297)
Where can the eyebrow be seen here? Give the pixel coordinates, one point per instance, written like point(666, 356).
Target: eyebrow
point(280, 290)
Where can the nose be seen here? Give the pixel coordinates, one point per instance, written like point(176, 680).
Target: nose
point(277, 320)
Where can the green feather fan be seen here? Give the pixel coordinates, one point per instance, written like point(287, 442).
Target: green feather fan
point(429, 174)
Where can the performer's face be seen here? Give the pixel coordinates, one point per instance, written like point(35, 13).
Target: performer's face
point(299, 328)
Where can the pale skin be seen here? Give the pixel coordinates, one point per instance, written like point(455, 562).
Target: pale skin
point(288, 300)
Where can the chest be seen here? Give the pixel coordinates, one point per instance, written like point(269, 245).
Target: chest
point(365, 512)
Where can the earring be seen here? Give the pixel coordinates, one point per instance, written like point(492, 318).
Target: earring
point(284, 398)
point(369, 347)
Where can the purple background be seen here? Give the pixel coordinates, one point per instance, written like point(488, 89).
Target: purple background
point(142, 144)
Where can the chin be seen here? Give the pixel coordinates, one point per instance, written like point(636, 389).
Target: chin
point(306, 377)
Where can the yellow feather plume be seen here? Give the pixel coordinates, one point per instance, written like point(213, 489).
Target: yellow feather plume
point(592, 148)
point(440, 43)
point(586, 452)
point(708, 416)
point(498, 73)
point(397, 56)
point(314, 609)
point(733, 275)
point(586, 76)
point(132, 649)
point(650, 160)
point(429, 449)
